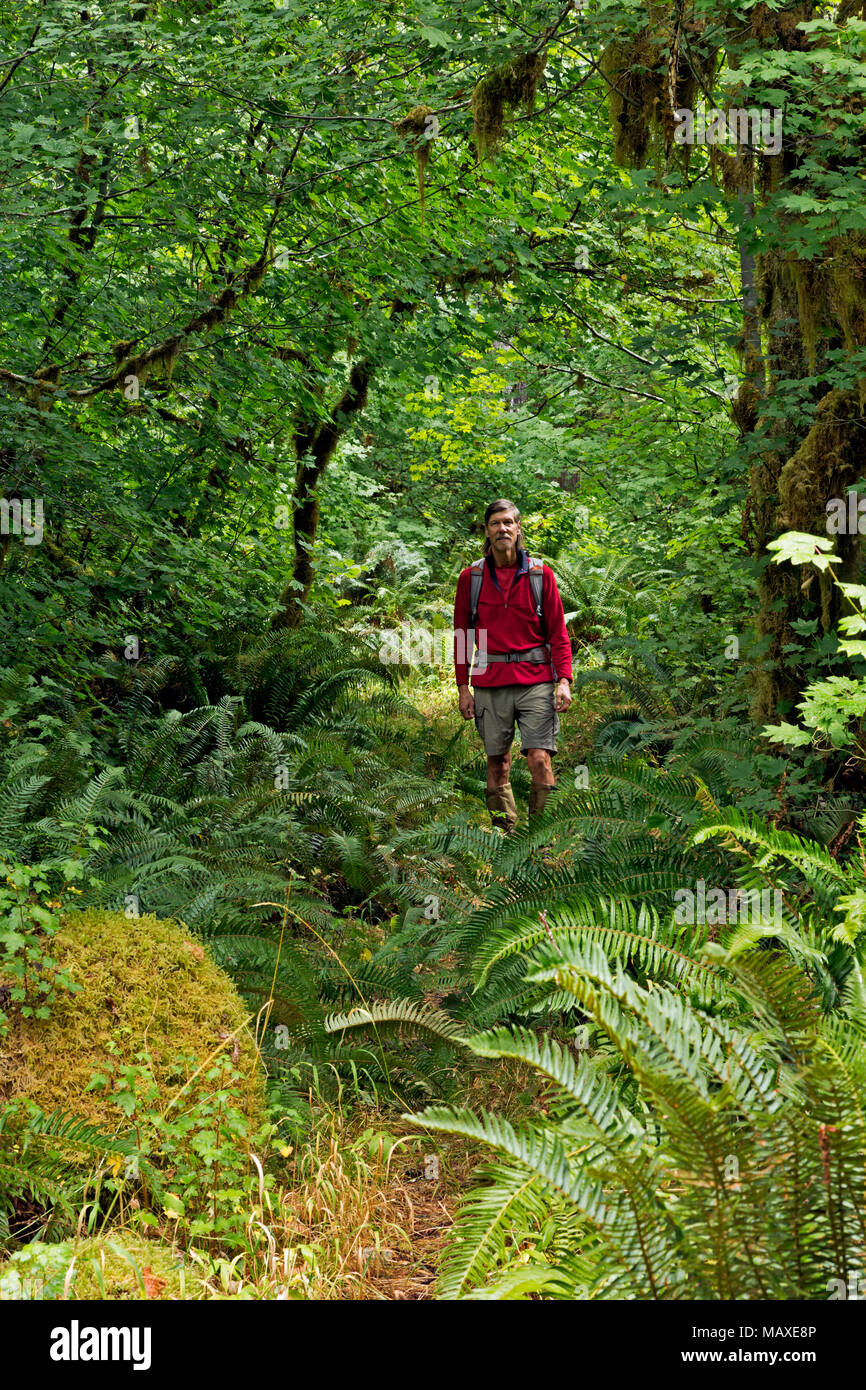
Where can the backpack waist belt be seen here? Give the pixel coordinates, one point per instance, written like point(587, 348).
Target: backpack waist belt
point(537, 655)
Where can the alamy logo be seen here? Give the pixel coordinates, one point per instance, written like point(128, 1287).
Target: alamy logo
point(418, 646)
point(75, 1343)
point(25, 518)
point(846, 516)
point(716, 906)
point(838, 1289)
point(760, 128)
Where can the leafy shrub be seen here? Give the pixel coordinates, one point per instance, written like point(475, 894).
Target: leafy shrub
point(29, 974)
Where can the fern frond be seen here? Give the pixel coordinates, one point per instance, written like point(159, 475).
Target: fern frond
point(402, 1014)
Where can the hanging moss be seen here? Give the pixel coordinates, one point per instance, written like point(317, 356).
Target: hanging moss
point(163, 361)
point(651, 76)
point(38, 395)
point(778, 28)
point(810, 280)
point(511, 86)
point(256, 272)
point(769, 173)
point(690, 72)
point(696, 71)
point(744, 406)
point(831, 295)
point(778, 590)
point(733, 170)
point(661, 70)
point(414, 125)
point(801, 285)
point(766, 276)
point(846, 289)
point(159, 359)
point(636, 93)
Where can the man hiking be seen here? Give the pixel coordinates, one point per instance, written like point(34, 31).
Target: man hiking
point(522, 670)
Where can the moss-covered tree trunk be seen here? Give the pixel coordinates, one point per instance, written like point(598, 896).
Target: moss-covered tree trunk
point(806, 444)
point(800, 425)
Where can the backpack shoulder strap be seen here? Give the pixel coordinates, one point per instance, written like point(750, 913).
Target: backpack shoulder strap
point(536, 581)
point(475, 580)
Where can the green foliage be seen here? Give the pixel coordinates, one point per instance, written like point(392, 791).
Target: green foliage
point(700, 1136)
point(400, 1014)
point(184, 1164)
point(45, 1163)
point(690, 1156)
point(95, 1268)
point(833, 709)
point(281, 344)
point(29, 975)
point(196, 1145)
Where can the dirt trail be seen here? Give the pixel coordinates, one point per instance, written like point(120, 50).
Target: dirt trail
point(411, 1274)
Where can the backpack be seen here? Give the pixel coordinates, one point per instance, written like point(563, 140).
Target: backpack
point(536, 583)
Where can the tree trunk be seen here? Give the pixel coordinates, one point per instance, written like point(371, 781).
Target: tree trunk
point(801, 421)
point(314, 447)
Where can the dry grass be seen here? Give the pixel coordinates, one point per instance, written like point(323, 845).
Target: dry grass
point(363, 1213)
point(362, 1217)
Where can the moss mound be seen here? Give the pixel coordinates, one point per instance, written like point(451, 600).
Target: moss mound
point(146, 986)
point(115, 1266)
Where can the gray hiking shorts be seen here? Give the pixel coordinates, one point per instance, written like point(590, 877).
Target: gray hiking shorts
point(497, 707)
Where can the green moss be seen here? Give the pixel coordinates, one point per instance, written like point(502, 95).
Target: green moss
point(636, 94)
point(119, 1265)
point(830, 295)
point(511, 85)
point(414, 125)
point(778, 27)
point(846, 293)
point(146, 986)
point(745, 406)
point(827, 463)
point(650, 76)
point(810, 280)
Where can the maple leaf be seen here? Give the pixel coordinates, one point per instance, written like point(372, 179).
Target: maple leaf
point(153, 1283)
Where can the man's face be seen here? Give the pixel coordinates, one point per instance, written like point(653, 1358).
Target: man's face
point(501, 530)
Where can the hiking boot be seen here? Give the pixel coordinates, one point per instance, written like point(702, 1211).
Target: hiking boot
point(538, 799)
point(502, 808)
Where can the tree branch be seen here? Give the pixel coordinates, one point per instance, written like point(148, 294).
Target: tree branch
point(20, 59)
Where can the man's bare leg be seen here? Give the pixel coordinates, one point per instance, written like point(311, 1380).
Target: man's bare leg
point(541, 772)
point(498, 769)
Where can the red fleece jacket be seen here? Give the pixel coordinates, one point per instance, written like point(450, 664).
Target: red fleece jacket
point(511, 625)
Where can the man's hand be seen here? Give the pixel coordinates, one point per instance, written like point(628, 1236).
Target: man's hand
point(562, 696)
point(467, 701)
